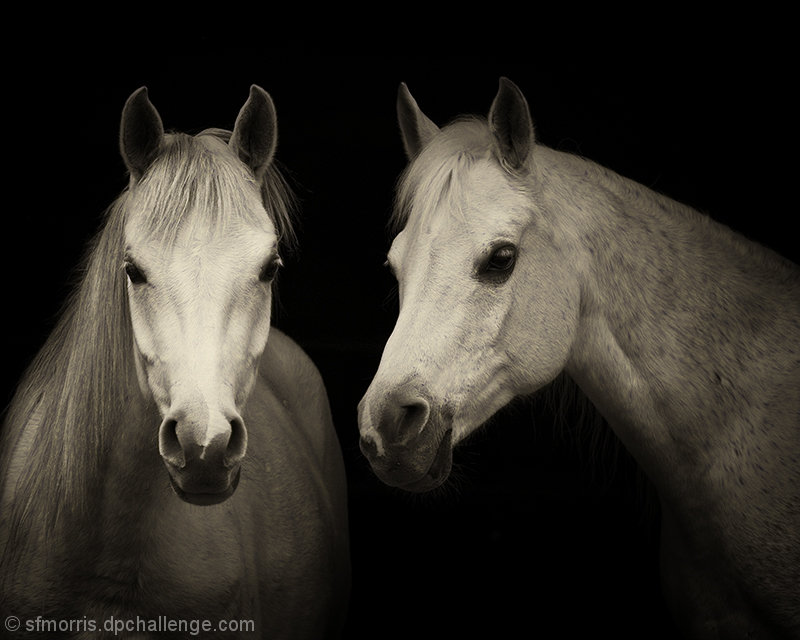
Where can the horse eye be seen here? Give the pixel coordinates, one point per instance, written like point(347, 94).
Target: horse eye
point(135, 275)
point(270, 269)
point(502, 260)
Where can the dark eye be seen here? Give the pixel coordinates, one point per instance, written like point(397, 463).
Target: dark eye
point(270, 269)
point(501, 262)
point(134, 273)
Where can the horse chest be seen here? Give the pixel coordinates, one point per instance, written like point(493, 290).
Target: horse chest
point(182, 563)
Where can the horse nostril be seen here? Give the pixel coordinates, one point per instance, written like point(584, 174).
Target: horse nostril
point(237, 443)
point(415, 413)
point(411, 419)
point(369, 445)
point(168, 444)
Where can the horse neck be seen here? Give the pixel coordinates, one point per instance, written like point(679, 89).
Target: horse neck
point(684, 341)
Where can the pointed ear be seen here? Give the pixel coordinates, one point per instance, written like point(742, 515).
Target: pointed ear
point(255, 133)
point(416, 128)
point(511, 124)
point(141, 133)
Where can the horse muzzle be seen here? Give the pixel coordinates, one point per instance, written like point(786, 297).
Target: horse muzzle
point(408, 445)
point(203, 459)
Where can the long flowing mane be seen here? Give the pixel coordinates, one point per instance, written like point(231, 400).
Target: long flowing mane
point(82, 384)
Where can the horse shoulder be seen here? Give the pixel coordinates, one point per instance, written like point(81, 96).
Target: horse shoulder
point(294, 378)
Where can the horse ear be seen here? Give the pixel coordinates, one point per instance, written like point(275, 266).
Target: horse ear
point(141, 133)
point(511, 124)
point(255, 133)
point(416, 128)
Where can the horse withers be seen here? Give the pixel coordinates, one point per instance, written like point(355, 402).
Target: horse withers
point(516, 262)
point(168, 454)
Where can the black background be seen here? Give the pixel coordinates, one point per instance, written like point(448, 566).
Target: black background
point(537, 531)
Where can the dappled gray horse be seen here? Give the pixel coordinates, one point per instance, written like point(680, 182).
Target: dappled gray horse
point(516, 262)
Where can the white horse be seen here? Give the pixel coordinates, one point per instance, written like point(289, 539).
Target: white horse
point(168, 456)
point(516, 262)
